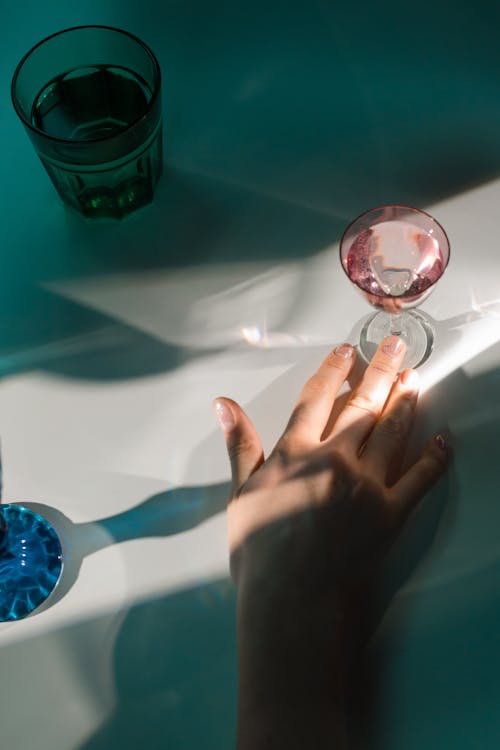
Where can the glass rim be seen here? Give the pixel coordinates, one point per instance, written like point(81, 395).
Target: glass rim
point(155, 93)
point(393, 205)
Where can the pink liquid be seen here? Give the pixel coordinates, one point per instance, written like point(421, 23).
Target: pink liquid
point(395, 261)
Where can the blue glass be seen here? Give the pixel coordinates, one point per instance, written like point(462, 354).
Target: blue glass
point(30, 561)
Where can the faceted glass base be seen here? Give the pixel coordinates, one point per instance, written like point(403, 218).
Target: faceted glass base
point(30, 562)
point(413, 327)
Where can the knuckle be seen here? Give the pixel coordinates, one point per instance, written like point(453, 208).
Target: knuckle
point(365, 402)
point(318, 385)
point(334, 362)
point(296, 418)
point(297, 427)
point(407, 400)
point(282, 451)
point(436, 461)
point(383, 368)
point(281, 455)
point(339, 458)
point(392, 426)
point(401, 409)
point(241, 446)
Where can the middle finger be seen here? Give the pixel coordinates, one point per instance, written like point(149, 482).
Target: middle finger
point(385, 448)
point(361, 412)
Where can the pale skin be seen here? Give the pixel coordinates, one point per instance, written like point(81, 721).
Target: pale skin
point(308, 528)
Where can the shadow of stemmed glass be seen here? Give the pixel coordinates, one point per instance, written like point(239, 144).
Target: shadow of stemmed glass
point(453, 345)
point(163, 514)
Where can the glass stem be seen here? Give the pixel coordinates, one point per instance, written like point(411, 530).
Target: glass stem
point(396, 324)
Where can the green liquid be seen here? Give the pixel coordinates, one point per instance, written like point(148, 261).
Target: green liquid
point(90, 103)
point(94, 104)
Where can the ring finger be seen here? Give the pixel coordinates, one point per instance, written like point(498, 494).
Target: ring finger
point(361, 412)
point(384, 450)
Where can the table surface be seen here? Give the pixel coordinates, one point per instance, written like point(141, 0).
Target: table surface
point(283, 121)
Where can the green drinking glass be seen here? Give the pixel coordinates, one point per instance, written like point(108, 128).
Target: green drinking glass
point(90, 100)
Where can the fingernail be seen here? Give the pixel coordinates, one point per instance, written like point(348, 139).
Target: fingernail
point(225, 416)
point(345, 351)
point(392, 345)
point(442, 442)
point(411, 379)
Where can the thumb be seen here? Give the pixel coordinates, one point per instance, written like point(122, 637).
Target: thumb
point(242, 441)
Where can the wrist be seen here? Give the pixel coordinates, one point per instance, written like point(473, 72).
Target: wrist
point(277, 616)
point(291, 691)
point(289, 652)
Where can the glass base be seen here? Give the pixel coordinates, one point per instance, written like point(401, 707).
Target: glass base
point(413, 327)
point(113, 193)
point(30, 562)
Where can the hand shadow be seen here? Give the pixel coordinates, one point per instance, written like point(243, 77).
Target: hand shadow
point(174, 674)
point(413, 546)
point(174, 667)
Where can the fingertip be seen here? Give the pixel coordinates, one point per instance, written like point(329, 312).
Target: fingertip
point(393, 346)
point(438, 451)
point(224, 413)
point(424, 474)
point(242, 441)
point(442, 442)
point(345, 352)
point(410, 379)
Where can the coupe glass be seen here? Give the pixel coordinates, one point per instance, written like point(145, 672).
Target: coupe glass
point(395, 255)
point(30, 561)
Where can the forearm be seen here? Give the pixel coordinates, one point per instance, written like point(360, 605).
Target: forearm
point(296, 710)
point(290, 682)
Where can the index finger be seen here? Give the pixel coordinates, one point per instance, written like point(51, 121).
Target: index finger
point(314, 405)
point(361, 412)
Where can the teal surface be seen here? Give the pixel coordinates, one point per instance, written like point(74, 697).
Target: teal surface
point(283, 121)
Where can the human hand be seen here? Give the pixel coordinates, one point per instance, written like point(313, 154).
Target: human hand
point(337, 491)
point(307, 529)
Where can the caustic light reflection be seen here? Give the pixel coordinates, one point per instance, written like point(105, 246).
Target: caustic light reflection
point(461, 339)
point(491, 308)
point(458, 340)
point(257, 336)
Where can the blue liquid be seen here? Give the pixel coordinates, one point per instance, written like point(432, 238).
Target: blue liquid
point(30, 562)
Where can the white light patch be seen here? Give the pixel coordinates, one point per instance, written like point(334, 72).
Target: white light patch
point(475, 332)
point(252, 335)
